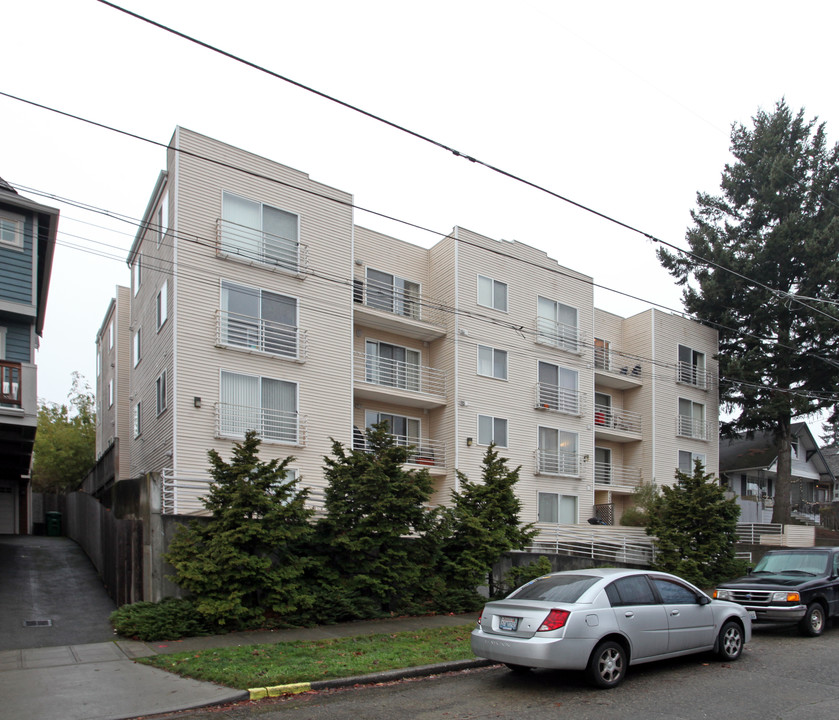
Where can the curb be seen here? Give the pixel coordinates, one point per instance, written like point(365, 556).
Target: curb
point(372, 678)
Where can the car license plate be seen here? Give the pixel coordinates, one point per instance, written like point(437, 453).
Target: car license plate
point(508, 623)
point(752, 615)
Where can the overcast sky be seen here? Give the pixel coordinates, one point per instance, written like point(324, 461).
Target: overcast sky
point(624, 107)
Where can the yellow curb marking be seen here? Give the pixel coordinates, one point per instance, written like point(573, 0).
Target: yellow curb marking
point(277, 690)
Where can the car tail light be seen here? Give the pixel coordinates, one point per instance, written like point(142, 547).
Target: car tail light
point(555, 620)
point(480, 617)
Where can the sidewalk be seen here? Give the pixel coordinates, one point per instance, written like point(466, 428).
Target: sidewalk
point(100, 681)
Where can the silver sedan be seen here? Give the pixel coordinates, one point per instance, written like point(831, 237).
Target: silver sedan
point(603, 620)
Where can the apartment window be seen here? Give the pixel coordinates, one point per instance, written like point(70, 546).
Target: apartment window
point(258, 320)
point(603, 416)
point(602, 465)
point(492, 293)
point(261, 233)
point(557, 452)
point(111, 335)
point(137, 347)
point(556, 324)
point(98, 360)
point(160, 387)
point(266, 405)
point(11, 231)
point(392, 365)
point(688, 459)
point(692, 420)
point(393, 294)
point(556, 508)
point(558, 388)
point(161, 306)
point(406, 430)
point(794, 449)
point(136, 274)
point(602, 355)
point(492, 430)
point(162, 218)
point(492, 362)
point(137, 428)
point(110, 393)
point(692, 367)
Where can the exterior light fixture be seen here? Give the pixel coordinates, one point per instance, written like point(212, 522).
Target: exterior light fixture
point(468, 442)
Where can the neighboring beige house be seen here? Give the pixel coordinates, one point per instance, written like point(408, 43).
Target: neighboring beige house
point(260, 304)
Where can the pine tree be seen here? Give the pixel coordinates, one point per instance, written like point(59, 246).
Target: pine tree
point(696, 528)
point(249, 557)
point(776, 226)
point(830, 434)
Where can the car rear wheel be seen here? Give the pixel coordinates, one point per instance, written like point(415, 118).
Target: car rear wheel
point(812, 624)
point(518, 668)
point(730, 641)
point(607, 665)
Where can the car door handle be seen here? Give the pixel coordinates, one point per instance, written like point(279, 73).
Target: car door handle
point(674, 612)
point(630, 614)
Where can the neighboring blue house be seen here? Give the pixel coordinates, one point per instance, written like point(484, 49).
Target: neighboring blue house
point(27, 243)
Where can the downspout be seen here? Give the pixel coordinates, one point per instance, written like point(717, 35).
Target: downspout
point(456, 359)
point(653, 381)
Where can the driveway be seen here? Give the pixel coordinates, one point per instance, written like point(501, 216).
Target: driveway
point(50, 594)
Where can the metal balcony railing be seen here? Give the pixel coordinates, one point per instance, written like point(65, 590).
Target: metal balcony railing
point(558, 463)
point(691, 375)
point(559, 335)
point(286, 427)
point(255, 246)
point(617, 476)
point(559, 399)
point(616, 418)
point(687, 426)
point(423, 451)
point(599, 542)
point(404, 302)
point(10, 383)
point(399, 374)
point(258, 335)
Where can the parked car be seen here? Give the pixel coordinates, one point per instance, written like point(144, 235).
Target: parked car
point(604, 620)
point(790, 585)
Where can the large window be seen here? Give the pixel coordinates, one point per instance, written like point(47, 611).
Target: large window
point(258, 320)
point(492, 430)
point(602, 465)
point(406, 430)
point(492, 293)
point(492, 362)
point(161, 391)
point(260, 233)
point(687, 460)
point(11, 231)
point(692, 367)
point(161, 304)
point(110, 392)
point(162, 218)
point(266, 405)
point(137, 273)
point(558, 454)
point(556, 508)
point(392, 365)
point(692, 420)
point(393, 294)
point(558, 388)
point(602, 355)
point(557, 325)
point(137, 348)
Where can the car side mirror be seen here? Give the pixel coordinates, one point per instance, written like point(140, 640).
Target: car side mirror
point(702, 599)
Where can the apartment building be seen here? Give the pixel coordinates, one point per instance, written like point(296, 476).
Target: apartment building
point(257, 303)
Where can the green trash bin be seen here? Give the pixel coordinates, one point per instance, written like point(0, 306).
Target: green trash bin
point(53, 523)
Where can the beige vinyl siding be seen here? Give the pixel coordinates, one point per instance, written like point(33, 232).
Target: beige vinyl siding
point(324, 380)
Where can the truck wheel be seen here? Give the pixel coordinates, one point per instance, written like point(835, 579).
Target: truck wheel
point(812, 624)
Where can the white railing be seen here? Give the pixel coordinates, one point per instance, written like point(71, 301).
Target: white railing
point(597, 542)
point(559, 335)
point(182, 495)
point(686, 426)
point(609, 417)
point(405, 302)
point(557, 463)
point(423, 451)
point(258, 335)
point(691, 375)
point(749, 533)
point(233, 421)
point(602, 358)
point(558, 399)
point(399, 374)
point(617, 476)
point(252, 245)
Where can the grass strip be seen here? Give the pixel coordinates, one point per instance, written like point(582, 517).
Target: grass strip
point(283, 663)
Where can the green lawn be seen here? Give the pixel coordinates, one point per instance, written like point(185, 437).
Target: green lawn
point(283, 663)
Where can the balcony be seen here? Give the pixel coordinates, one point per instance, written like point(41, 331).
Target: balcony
point(611, 369)
point(423, 452)
point(559, 335)
point(549, 462)
point(689, 374)
point(397, 310)
point(558, 399)
point(395, 381)
point(616, 424)
point(285, 427)
point(255, 247)
point(689, 427)
point(616, 478)
point(256, 335)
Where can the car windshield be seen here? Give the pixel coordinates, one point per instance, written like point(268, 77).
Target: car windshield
point(555, 588)
point(814, 563)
